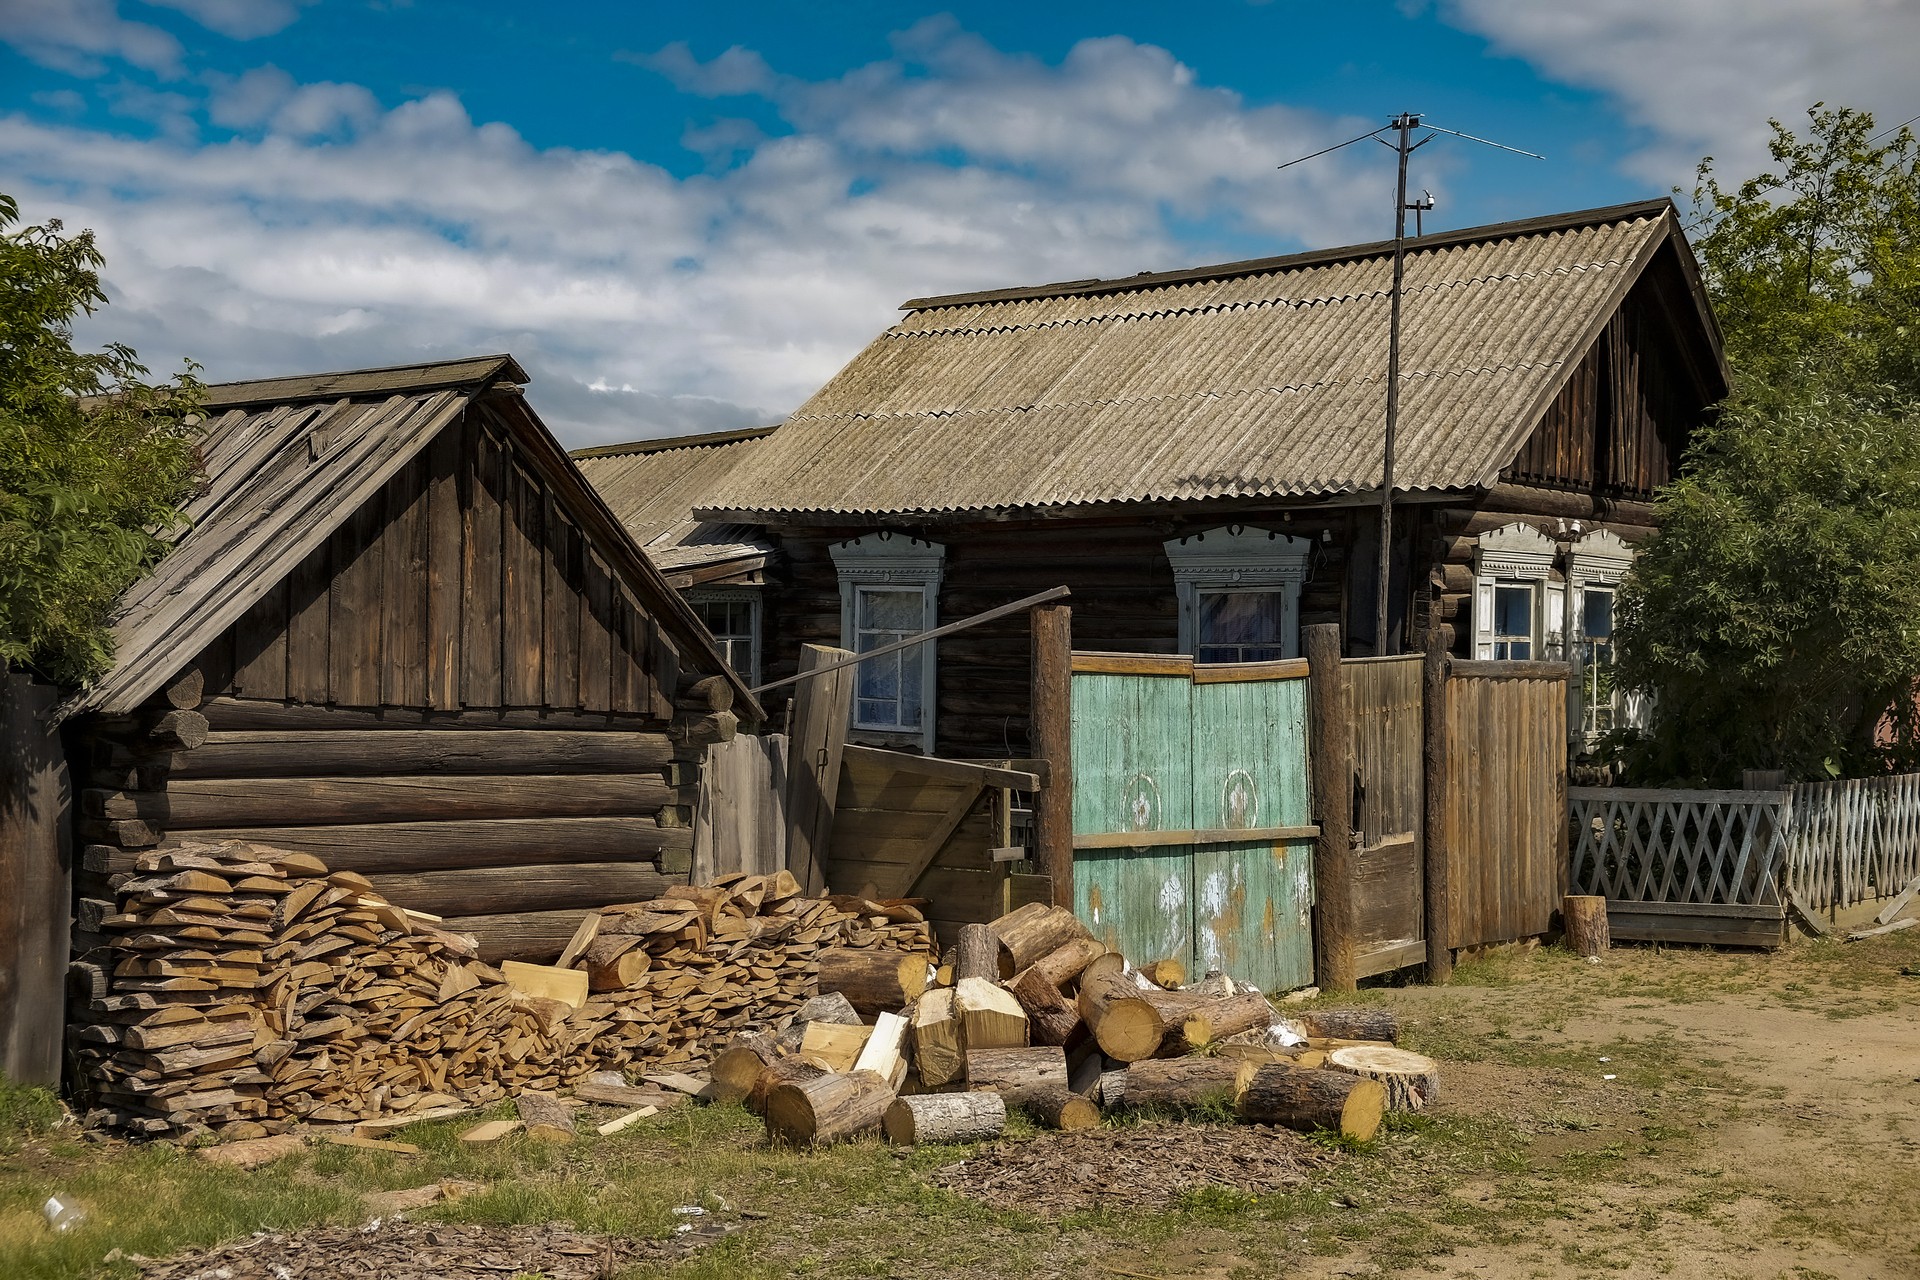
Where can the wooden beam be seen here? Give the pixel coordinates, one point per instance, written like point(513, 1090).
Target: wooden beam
point(1332, 746)
point(1134, 664)
point(1242, 672)
point(1050, 738)
point(1209, 835)
point(979, 775)
point(297, 753)
point(821, 710)
point(243, 802)
point(1497, 670)
point(442, 846)
point(1435, 889)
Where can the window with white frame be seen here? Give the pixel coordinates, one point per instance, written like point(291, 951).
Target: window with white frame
point(1595, 567)
point(1516, 605)
point(732, 615)
point(1239, 593)
point(889, 590)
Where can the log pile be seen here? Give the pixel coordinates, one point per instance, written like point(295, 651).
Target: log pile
point(248, 988)
point(1067, 1030)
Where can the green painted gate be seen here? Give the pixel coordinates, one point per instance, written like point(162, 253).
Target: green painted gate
point(1191, 830)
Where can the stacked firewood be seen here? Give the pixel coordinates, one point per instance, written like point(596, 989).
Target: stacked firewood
point(1033, 1012)
point(249, 986)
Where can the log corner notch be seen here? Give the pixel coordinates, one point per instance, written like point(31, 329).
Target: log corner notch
point(1050, 738)
point(1332, 748)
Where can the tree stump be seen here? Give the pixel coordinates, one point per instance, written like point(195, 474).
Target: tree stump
point(976, 953)
point(547, 1118)
point(1052, 1018)
point(1187, 1084)
point(1585, 917)
point(1310, 1099)
point(1016, 1073)
point(779, 1071)
point(1411, 1081)
point(1351, 1024)
point(1125, 1026)
point(827, 1109)
point(945, 1117)
point(1060, 1108)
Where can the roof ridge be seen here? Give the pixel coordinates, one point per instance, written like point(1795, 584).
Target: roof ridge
point(433, 375)
point(661, 444)
point(1257, 266)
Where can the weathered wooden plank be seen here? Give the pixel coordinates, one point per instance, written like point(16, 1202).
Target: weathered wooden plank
point(243, 802)
point(240, 715)
point(1133, 664)
point(1192, 836)
point(533, 936)
point(561, 657)
point(740, 819)
point(523, 588)
point(857, 757)
point(447, 484)
point(821, 708)
point(260, 648)
point(481, 582)
point(358, 583)
point(36, 890)
point(1244, 672)
point(309, 627)
point(298, 753)
point(596, 632)
point(403, 543)
point(450, 845)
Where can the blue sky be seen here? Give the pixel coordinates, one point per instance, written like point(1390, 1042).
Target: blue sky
point(685, 218)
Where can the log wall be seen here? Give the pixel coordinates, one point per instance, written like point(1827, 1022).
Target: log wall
point(454, 696)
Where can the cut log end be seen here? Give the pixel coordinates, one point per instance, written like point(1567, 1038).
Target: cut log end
point(1411, 1081)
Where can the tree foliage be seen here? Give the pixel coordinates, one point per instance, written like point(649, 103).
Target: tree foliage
point(94, 461)
point(1775, 618)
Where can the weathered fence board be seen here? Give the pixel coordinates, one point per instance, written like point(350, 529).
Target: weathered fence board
point(1854, 840)
point(1385, 704)
point(36, 866)
point(740, 822)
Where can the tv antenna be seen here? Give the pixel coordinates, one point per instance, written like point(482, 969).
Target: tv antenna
point(1403, 126)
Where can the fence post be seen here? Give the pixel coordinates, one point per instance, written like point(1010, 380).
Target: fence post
point(36, 885)
point(1050, 738)
point(1332, 744)
point(1433, 798)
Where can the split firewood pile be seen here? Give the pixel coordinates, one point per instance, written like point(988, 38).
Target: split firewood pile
point(1032, 1012)
point(250, 988)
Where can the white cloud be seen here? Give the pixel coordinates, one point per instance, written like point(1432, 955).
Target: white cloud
point(79, 36)
point(239, 19)
point(330, 232)
point(1704, 75)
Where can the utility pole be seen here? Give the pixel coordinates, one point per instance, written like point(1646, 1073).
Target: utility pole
point(1403, 126)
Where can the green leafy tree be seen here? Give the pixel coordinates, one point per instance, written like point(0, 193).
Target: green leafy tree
point(93, 460)
point(1775, 618)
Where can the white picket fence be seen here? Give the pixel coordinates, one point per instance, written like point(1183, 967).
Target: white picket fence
point(1854, 840)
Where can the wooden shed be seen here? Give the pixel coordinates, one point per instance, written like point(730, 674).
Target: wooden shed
point(398, 630)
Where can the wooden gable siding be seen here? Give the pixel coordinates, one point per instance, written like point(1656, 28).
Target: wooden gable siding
point(462, 584)
point(1618, 426)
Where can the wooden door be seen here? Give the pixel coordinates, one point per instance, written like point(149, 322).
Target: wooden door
point(1133, 775)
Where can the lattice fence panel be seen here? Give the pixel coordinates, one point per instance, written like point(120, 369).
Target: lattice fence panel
point(1853, 840)
point(1653, 845)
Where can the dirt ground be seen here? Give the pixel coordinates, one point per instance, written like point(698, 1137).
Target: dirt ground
point(1684, 1113)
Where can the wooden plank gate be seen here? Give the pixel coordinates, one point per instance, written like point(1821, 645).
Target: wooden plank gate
point(1505, 800)
point(1191, 832)
point(1385, 710)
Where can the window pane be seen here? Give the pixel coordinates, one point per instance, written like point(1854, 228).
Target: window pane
point(890, 610)
point(1513, 611)
point(1596, 615)
point(1240, 626)
point(887, 688)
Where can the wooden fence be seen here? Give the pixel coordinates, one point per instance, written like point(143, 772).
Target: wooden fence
point(1385, 703)
point(1854, 840)
point(1682, 866)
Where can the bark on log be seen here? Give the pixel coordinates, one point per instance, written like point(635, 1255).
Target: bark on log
point(1015, 1073)
point(547, 1118)
point(1187, 1084)
point(1219, 1019)
point(1058, 1108)
point(1410, 1080)
point(382, 752)
point(945, 1117)
point(873, 981)
point(1585, 917)
point(313, 801)
point(518, 843)
point(976, 953)
point(831, 1108)
point(1310, 1099)
point(1351, 1024)
point(1064, 963)
point(1330, 731)
point(1051, 1017)
point(778, 1072)
point(1024, 941)
point(1125, 1026)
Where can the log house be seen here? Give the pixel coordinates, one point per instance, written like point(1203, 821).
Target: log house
point(398, 630)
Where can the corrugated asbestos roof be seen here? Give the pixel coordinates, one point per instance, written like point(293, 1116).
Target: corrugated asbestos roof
point(287, 461)
point(1264, 378)
point(652, 486)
